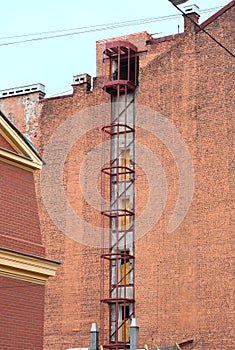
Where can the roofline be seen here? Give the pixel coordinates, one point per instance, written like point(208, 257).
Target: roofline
point(164, 38)
point(216, 15)
point(31, 255)
point(24, 138)
point(56, 97)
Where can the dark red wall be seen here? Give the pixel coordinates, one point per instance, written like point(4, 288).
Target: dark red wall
point(19, 228)
point(21, 315)
point(21, 303)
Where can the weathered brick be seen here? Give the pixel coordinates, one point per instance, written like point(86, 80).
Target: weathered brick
point(184, 280)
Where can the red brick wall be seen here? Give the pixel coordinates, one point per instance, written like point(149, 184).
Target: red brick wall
point(21, 303)
point(5, 144)
point(184, 280)
point(22, 110)
point(189, 285)
point(21, 316)
point(19, 229)
point(72, 299)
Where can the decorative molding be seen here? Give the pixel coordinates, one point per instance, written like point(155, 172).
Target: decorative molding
point(24, 155)
point(26, 267)
point(18, 160)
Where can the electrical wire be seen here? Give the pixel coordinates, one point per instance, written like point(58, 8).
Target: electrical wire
point(205, 31)
point(108, 24)
point(93, 28)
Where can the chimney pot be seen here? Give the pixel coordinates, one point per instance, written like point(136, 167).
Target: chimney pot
point(191, 9)
point(81, 82)
point(192, 12)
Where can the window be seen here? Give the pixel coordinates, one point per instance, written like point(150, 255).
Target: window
point(123, 75)
point(124, 220)
point(124, 324)
point(125, 270)
point(125, 163)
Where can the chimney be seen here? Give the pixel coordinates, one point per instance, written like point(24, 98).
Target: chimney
point(81, 82)
point(192, 12)
point(23, 90)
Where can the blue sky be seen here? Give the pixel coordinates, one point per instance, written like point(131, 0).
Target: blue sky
point(54, 62)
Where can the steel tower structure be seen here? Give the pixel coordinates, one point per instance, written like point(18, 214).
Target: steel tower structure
point(120, 80)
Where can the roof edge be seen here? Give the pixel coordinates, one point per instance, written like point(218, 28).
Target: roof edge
point(24, 138)
point(164, 38)
point(216, 15)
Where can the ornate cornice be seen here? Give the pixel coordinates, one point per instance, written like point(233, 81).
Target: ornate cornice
point(26, 267)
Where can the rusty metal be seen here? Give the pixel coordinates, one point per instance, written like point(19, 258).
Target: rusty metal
point(120, 79)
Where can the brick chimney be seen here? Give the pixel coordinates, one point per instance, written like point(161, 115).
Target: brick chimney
point(192, 12)
point(81, 82)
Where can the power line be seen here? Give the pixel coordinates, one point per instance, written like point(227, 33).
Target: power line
point(93, 28)
point(203, 30)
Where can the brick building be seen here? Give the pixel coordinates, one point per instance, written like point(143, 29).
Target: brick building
point(182, 94)
point(24, 269)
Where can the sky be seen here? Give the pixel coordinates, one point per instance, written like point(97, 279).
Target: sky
point(54, 62)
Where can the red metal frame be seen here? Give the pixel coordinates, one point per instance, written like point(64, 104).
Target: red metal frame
point(120, 68)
